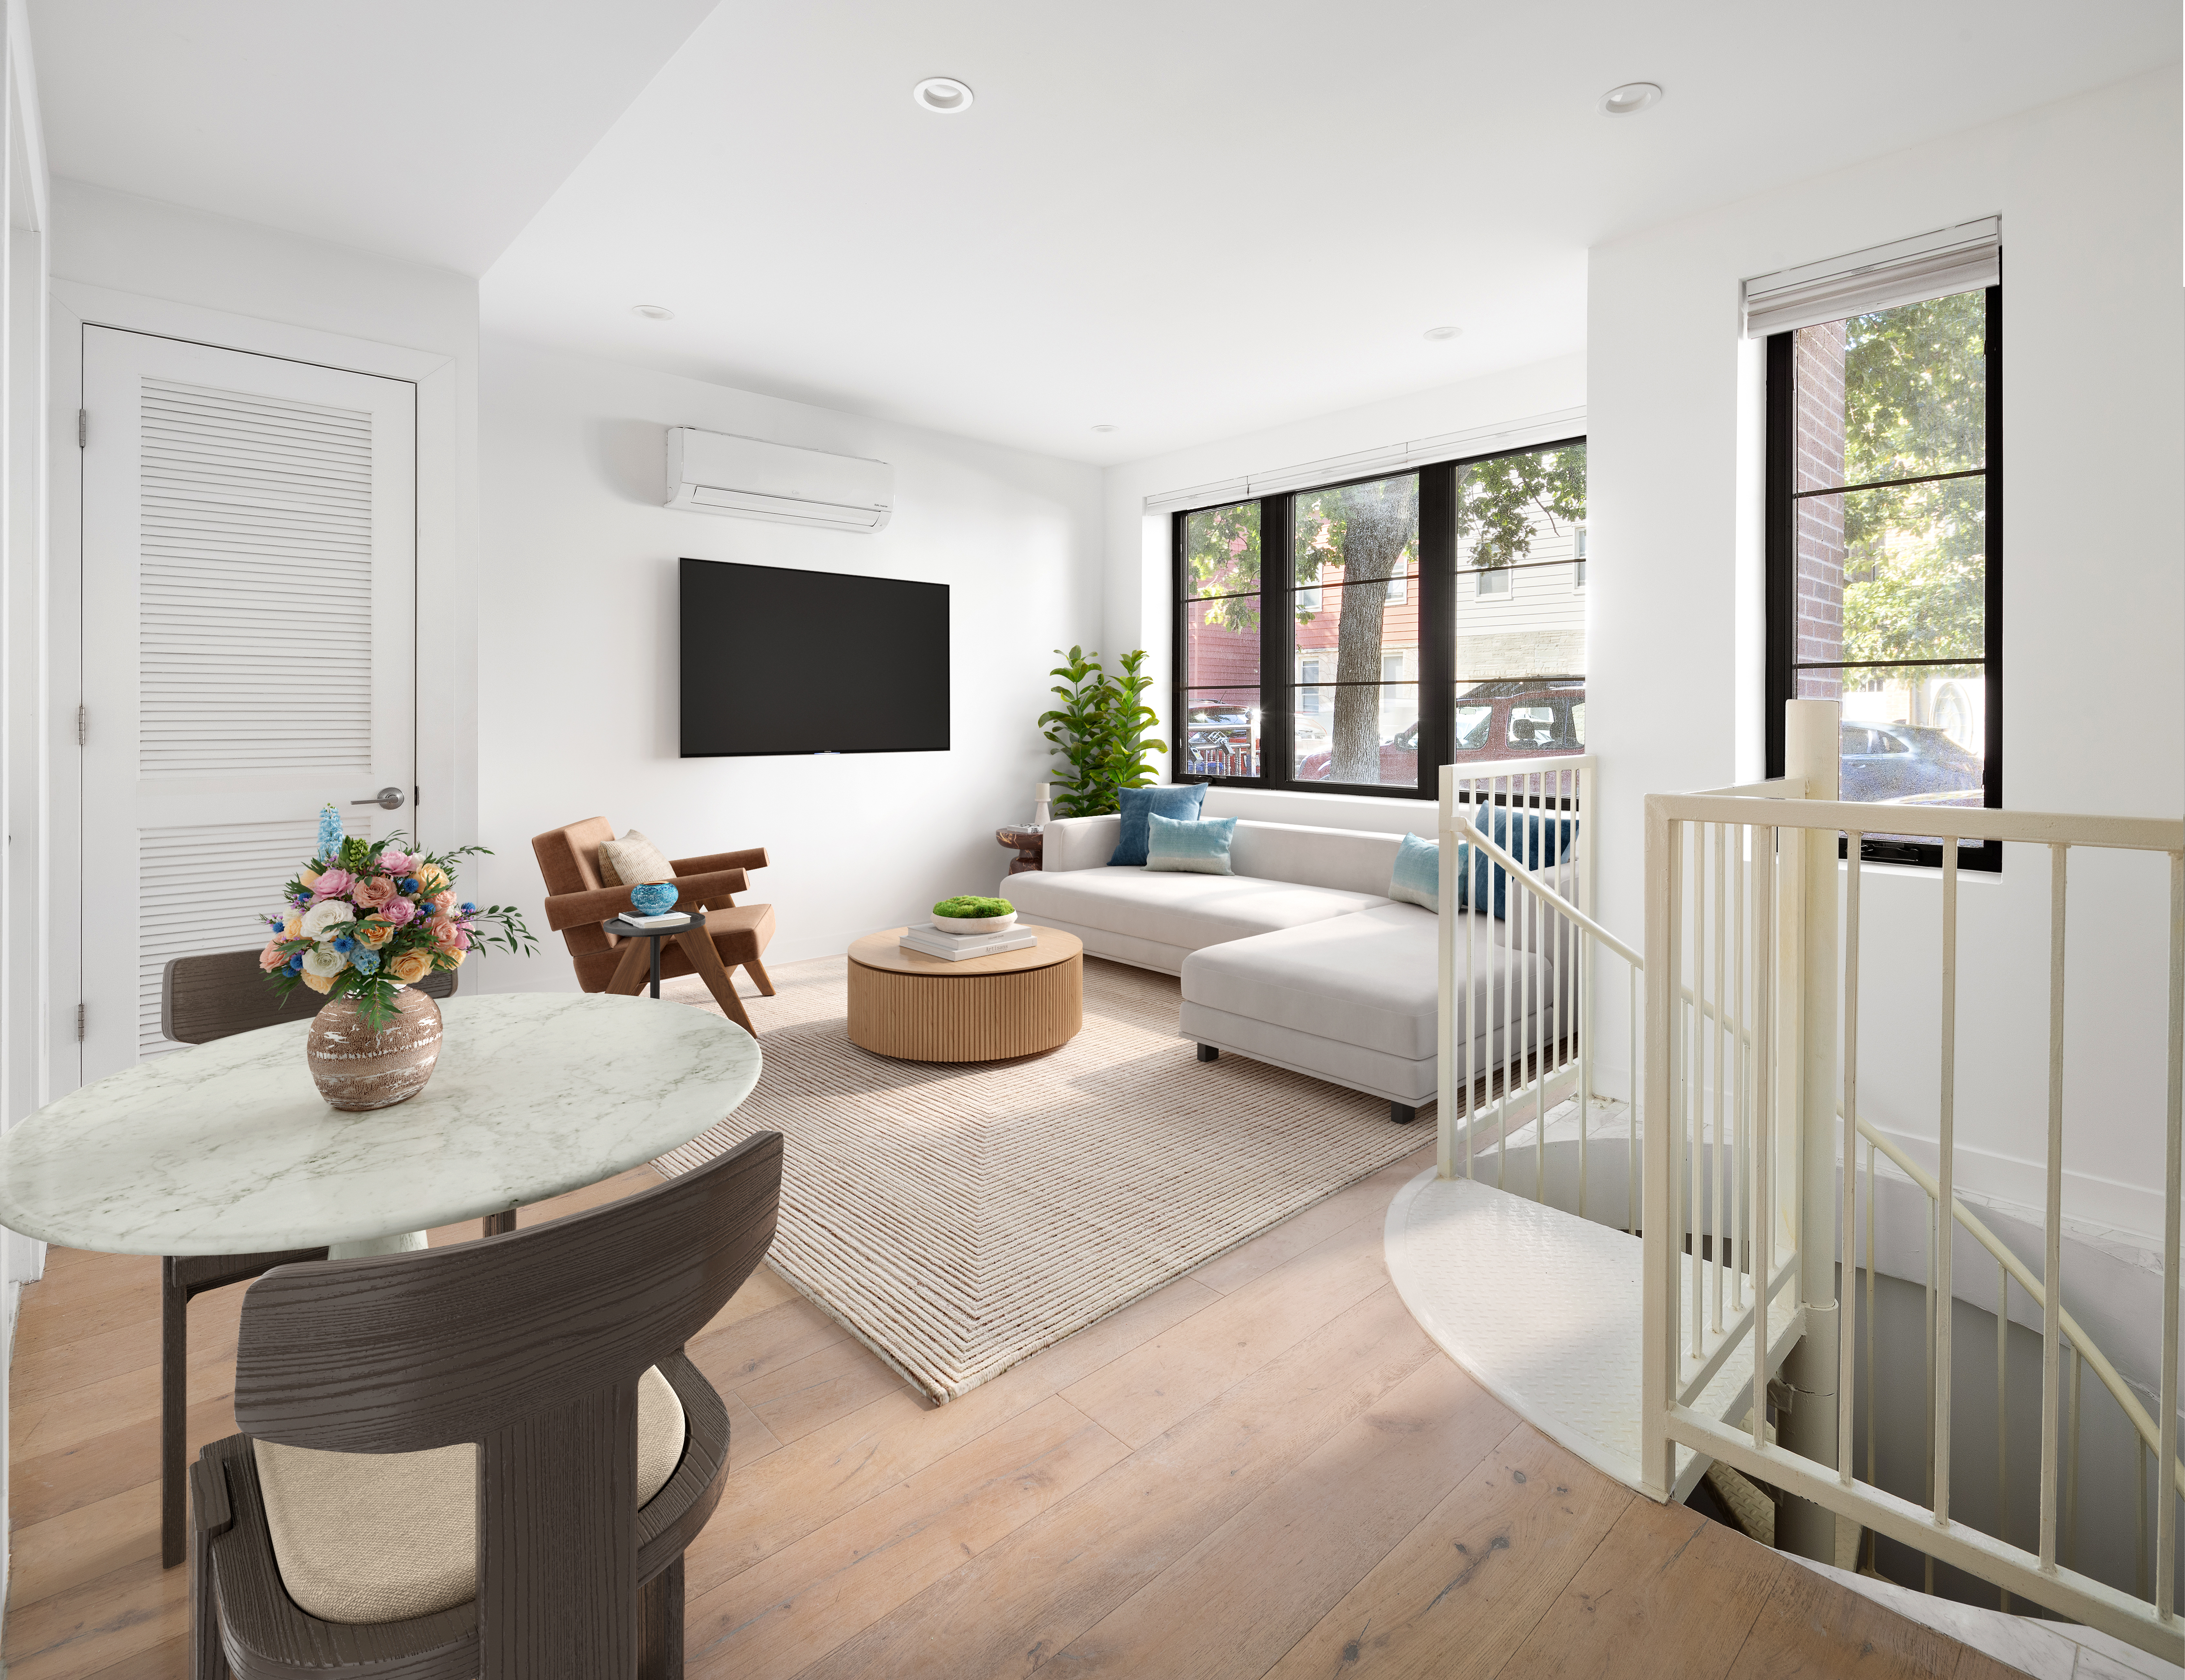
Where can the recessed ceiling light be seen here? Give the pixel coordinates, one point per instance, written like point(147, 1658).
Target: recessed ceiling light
point(943, 94)
point(1104, 428)
point(1439, 334)
point(653, 311)
point(1631, 99)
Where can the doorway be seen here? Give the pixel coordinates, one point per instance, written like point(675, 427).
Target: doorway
point(250, 648)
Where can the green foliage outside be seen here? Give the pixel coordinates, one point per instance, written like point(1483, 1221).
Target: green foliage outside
point(1101, 732)
point(1371, 533)
point(964, 907)
point(1915, 401)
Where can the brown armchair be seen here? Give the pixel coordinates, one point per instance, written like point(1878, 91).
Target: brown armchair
point(577, 904)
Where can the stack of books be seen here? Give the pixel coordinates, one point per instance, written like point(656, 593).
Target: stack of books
point(672, 918)
point(956, 947)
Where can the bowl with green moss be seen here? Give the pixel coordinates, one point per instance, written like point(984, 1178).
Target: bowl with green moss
point(968, 915)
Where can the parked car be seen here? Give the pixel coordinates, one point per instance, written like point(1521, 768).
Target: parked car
point(1905, 763)
point(1494, 721)
point(1219, 739)
point(1520, 718)
point(1399, 760)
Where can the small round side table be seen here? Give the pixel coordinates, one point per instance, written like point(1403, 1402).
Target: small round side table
point(623, 928)
point(1031, 847)
point(920, 1008)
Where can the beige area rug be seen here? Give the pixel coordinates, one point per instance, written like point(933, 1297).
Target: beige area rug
point(957, 1219)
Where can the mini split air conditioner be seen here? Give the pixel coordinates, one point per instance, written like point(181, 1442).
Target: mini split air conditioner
point(715, 472)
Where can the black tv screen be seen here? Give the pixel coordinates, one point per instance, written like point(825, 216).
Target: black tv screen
point(781, 661)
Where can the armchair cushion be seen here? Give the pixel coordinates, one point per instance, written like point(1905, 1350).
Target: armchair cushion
point(633, 861)
point(384, 1537)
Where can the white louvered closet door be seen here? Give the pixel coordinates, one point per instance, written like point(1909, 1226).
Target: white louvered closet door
point(249, 579)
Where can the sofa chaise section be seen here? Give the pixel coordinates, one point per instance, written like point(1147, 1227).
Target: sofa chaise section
point(1353, 999)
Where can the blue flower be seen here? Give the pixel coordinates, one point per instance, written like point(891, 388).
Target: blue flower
point(469, 908)
point(296, 963)
point(408, 886)
point(365, 961)
point(344, 944)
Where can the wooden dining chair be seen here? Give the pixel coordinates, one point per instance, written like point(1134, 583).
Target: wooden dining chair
point(481, 1462)
point(203, 998)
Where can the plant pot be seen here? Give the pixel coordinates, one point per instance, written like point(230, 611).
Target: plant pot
point(358, 1068)
point(975, 925)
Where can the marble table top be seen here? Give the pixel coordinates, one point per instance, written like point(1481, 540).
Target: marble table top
point(227, 1148)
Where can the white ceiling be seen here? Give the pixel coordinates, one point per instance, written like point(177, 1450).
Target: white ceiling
point(1182, 218)
point(1188, 219)
point(425, 129)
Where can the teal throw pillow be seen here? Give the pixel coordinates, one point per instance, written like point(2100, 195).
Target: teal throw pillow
point(1201, 847)
point(1180, 800)
point(1534, 840)
point(1416, 879)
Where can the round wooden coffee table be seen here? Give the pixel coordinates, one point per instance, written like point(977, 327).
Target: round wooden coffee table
point(920, 1008)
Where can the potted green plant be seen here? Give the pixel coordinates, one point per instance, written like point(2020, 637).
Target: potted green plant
point(1102, 731)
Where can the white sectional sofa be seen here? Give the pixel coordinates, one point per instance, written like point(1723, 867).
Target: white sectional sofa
point(1298, 959)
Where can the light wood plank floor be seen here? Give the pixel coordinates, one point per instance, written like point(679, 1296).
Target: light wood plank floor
point(1264, 1468)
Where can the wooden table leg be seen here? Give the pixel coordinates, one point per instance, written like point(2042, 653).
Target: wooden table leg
point(498, 1224)
point(629, 975)
point(698, 945)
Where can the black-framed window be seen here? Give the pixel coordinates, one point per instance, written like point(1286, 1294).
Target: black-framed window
point(1354, 636)
point(1885, 553)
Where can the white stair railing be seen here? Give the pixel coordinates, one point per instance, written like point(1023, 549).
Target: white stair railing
point(1741, 921)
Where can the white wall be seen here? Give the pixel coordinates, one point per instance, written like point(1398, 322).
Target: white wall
point(27, 918)
point(2094, 601)
point(1138, 605)
point(136, 263)
point(577, 653)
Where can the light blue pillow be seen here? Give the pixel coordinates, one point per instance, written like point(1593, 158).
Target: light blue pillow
point(1416, 879)
point(1200, 847)
point(1178, 800)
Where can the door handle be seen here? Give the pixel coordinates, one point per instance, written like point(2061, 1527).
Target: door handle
point(387, 799)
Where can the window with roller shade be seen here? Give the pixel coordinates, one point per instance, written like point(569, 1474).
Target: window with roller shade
point(1884, 544)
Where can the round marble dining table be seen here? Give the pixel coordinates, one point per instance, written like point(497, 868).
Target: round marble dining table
point(227, 1147)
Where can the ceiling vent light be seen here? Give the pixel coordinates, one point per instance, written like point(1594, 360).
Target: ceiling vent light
point(653, 311)
point(1630, 99)
point(943, 94)
point(1103, 427)
point(1443, 334)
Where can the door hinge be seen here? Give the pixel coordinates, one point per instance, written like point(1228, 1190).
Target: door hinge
point(79, 1021)
point(83, 726)
point(83, 428)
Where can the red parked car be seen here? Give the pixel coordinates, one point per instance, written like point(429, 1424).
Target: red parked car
point(1495, 722)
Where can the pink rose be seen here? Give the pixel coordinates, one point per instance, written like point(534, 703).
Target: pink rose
point(397, 863)
point(273, 956)
point(333, 884)
point(374, 891)
point(396, 910)
point(446, 934)
point(442, 903)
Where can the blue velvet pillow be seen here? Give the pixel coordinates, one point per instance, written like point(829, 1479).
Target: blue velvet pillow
point(1199, 848)
point(1535, 841)
point(1417, 878)
point(1179, 800)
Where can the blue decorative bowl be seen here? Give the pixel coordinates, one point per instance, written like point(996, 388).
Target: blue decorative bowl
point(656, 899)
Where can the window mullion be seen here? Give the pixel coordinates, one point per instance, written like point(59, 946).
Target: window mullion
point(1277, 661)
point(1437, 688)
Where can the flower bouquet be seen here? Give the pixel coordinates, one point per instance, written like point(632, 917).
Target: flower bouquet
point(361, 922)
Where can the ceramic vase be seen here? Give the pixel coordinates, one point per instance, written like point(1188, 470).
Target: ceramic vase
point(358, 1068)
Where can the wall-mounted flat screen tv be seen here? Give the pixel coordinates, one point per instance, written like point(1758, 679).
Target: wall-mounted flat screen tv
point(776, 661)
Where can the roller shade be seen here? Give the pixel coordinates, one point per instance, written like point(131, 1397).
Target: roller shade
point(1934, 265)
point(1481, 440)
